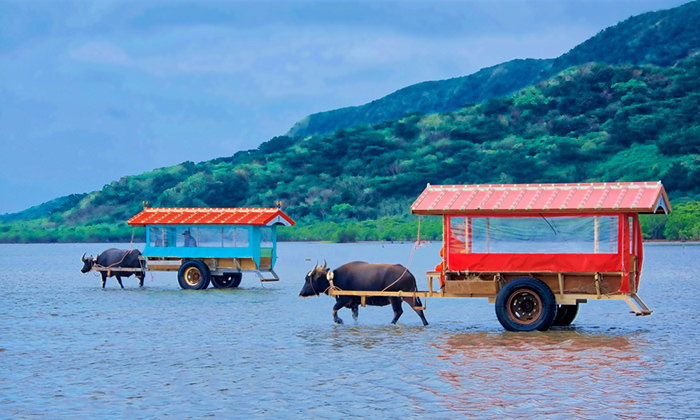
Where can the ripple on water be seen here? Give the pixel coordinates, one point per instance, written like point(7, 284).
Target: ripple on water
point(69, 348)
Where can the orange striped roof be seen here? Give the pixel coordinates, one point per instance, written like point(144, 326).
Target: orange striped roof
point(617, 197)
point(206, 216)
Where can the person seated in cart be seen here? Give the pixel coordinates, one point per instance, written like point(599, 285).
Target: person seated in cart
point(189, 240)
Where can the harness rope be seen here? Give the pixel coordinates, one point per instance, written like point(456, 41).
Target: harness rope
point(329, 276)
point(416, 245)
point(142, 261)
point(109, 272)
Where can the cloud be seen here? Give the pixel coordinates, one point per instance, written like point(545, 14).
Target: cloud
point(101, 53)
point(191, 80)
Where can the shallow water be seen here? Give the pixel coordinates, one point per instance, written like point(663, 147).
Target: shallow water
point(71, 349)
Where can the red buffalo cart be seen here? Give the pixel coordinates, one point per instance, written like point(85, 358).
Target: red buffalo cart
point(537, 251)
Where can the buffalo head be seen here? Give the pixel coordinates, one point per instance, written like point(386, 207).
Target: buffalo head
point(316, 281)
point(88, 263)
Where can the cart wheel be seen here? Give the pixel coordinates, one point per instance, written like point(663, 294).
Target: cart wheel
point(525, 304)
point(221, 282)
point(227, 281)
point(237, 277)
point(565, 315)
point(193, 274)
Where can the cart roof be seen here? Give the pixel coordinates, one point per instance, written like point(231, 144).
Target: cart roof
point(206, 216)
point(617, 197)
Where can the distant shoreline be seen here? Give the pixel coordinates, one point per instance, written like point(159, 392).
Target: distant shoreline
point(650, 241)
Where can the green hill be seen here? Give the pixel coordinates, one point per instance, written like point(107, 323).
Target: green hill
point(590, 121)
point(429, 97)
point(595, 122)
point(660, 38)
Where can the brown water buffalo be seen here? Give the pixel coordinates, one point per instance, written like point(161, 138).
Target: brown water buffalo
point(114, 259)
point(360, 275)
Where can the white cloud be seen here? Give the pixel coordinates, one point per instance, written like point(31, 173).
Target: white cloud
point(101, 53)
point(163, 72)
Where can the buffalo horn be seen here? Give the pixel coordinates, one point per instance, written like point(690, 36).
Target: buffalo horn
point(325, 264)
point(83, 257)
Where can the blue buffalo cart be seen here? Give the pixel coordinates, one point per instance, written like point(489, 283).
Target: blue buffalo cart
point(212, 245)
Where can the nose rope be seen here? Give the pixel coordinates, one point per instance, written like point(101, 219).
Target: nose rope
point(324, 291)
point(329, 277)
point(311, 283)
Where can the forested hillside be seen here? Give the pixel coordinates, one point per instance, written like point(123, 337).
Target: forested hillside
point(593, 122)
point(430, 97)
point(660, 38)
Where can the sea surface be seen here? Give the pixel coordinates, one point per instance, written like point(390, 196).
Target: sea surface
point(70, 349)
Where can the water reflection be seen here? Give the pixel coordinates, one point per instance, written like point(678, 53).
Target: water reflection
point(558, 373)
point(71, 349)
point(361, 337)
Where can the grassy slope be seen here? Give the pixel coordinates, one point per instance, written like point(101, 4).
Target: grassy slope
point(589, 123)
point(659, 38)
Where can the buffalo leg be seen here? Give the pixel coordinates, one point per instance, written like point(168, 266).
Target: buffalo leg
point(396, 305)
point(104, 278)
point(340, 302)
point(355, 311)
point(415, 303)
point(119, 280)
point(140, 280)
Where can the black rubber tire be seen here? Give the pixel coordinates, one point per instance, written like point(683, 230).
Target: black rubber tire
point(220, 281)
point(565, 315)
point(237, 277)
point(193, 275)
point(227, 280)
point(526, 304)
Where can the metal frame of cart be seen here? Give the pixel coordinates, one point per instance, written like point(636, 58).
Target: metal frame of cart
point(212, 245)
point(539, 250)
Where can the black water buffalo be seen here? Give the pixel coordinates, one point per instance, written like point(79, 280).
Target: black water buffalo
point(113, 259)
point(360, 275)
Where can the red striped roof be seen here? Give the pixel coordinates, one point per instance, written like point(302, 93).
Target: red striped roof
point(635, 197)
point(204, 216)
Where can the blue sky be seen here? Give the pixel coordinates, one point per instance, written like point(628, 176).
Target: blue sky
point(95, 90)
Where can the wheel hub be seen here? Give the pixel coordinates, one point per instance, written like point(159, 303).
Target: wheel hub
point(524, 306)
point(193, 276)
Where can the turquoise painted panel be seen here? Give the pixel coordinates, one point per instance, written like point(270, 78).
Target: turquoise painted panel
point(190, 241)
point(182, 252)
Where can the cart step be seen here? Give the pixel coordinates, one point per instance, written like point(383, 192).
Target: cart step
point(642, 313)
point(639, 308)
point(269, 279)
